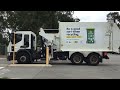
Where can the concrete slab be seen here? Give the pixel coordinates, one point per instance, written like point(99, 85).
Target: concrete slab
point(34, 65)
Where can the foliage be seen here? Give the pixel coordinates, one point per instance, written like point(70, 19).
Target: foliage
point(33, 20)
point(115, 16)
point(3, 41)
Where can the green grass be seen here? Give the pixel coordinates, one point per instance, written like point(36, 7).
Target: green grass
point(4, 78)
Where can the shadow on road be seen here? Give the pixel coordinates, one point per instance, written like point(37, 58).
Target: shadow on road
point(69, 63)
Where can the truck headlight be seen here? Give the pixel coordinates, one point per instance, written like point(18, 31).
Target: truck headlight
point(8, 54)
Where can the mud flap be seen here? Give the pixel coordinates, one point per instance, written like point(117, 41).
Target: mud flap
point(106, 57)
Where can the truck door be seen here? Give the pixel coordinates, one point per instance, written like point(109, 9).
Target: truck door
point(26, 40)
point(18, 42)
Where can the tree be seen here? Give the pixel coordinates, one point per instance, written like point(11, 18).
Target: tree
point(3, 41)
point(3, 23)
point(0, 38)
point(115, 16)
point(33, 20)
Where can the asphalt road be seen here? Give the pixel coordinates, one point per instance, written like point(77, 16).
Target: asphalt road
point(109, 69)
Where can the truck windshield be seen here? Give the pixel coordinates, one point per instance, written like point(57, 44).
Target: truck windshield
point(18, 38)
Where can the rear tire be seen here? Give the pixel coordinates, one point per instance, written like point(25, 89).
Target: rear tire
point(77, 58)
point(23, 58)
point(93, 59)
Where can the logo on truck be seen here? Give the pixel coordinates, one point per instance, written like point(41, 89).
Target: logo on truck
point(90, 35)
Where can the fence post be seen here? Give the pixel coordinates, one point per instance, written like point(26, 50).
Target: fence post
point(47, 55)
point(14, 50)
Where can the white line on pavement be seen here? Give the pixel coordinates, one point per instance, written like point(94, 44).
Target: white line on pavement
point(1, 67)
point(2, 58)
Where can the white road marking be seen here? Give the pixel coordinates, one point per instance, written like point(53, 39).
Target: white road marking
point(3, 71)
point(2, 58)
point(38, 65)
point(15, 78)
point(1, 67)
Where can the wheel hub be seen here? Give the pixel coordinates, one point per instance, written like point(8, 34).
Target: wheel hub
point(77, 59)
point(94, 59)
point(23, 58)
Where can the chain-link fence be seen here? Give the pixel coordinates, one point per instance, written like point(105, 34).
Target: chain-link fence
point(3, 49)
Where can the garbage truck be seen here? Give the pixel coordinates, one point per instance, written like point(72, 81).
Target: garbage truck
point(75, 41)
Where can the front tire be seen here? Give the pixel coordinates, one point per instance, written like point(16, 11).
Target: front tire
point(77, 58)
point(23, 58)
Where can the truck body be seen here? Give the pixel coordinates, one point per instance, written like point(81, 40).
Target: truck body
point(74, 41)
point(89, 36)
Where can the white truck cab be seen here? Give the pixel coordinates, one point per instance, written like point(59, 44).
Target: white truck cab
point(25, 43)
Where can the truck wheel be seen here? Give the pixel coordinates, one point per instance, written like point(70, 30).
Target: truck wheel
point(93, 59)
point(23, 58)
point(77, 58)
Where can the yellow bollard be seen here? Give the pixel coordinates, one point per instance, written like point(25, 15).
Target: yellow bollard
point(14, 50)
point(47, 55)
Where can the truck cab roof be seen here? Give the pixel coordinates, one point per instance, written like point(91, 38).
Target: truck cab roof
point(25, 32)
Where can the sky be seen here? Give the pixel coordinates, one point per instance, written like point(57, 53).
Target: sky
point(92, 16)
